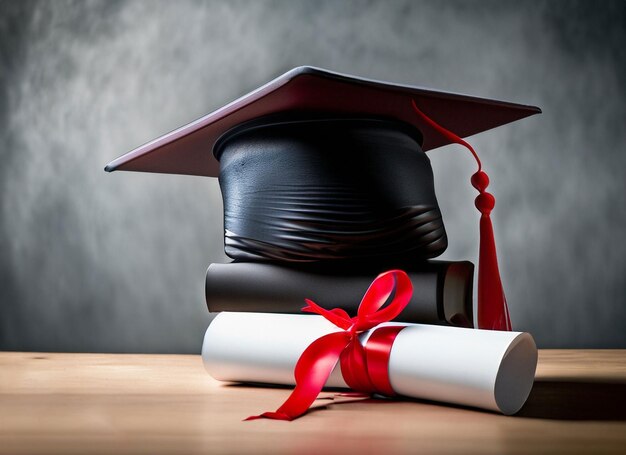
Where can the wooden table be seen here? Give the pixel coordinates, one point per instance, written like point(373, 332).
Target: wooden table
point(103, 403)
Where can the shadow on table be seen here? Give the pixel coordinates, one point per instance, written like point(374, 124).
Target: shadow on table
point(556, 400)
point(562, 400)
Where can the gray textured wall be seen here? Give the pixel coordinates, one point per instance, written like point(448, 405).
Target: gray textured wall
point(91, 261)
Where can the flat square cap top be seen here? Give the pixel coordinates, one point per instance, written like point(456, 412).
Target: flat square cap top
point(189, 149)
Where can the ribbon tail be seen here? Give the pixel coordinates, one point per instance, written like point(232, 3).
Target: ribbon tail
point(312, 371)
point(337, 316)
point(493, 312)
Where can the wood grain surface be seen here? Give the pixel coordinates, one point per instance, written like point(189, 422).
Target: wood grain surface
point(152, 404)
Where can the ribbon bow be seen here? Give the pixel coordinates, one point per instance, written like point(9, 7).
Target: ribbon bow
point(364, 369)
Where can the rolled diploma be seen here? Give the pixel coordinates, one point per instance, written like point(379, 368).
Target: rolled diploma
point(481, 368)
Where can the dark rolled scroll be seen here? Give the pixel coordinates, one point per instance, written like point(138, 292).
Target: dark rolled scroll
point(442, 291)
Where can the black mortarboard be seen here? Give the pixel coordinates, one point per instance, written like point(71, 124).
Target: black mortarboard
point(187, 150)
point(317, 166)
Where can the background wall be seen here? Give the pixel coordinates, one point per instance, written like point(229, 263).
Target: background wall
point(115, 262)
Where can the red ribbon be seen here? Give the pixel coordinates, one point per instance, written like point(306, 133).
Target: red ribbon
point(493, 312)
point(365, 369)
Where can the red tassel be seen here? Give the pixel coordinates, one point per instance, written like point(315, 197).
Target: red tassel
point(493, 312)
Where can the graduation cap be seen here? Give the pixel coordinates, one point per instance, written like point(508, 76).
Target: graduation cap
point(317, 166)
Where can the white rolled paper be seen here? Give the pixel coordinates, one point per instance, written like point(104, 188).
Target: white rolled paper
point(480, 368)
